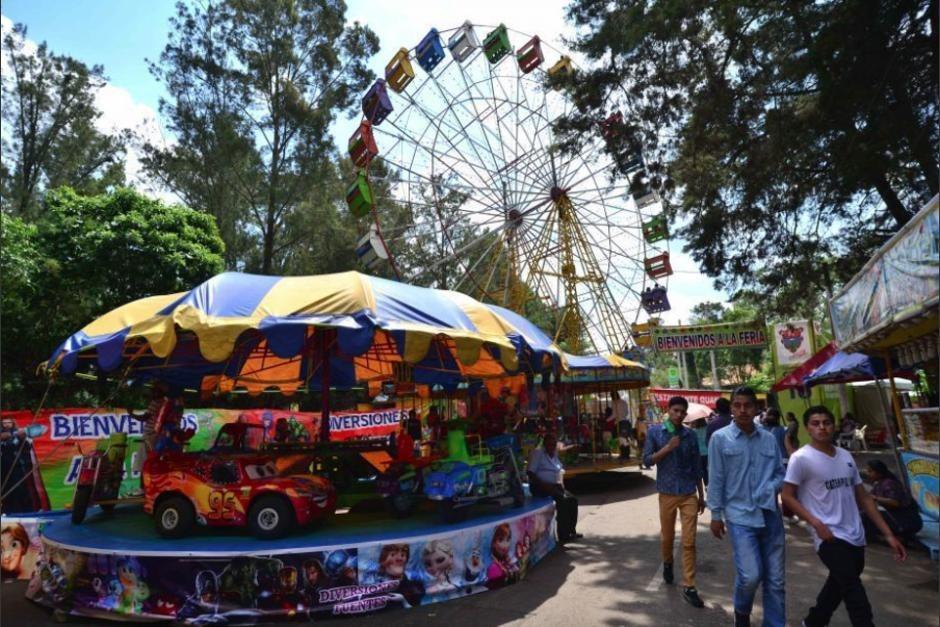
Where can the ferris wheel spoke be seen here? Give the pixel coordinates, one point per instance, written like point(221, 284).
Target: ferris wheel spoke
point(475, 168)
point(475, 115)
point(473, 87)
point(438, 124)
point(544, 173)
point(471, 186)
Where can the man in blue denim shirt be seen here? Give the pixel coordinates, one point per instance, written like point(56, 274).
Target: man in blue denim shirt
point(745, 473)
point(673, 448)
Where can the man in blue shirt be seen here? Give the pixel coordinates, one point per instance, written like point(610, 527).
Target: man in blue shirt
point(673, 448)
point(745, 473)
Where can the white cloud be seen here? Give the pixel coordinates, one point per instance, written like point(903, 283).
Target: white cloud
point(119, 111)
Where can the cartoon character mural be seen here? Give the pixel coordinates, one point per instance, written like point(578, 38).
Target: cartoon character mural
point(134, 590)
point(503, 569)
point(438, 559)
point(19, 550)
point(393, 566)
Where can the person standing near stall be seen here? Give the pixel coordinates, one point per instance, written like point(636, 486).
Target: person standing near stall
point(824, 488)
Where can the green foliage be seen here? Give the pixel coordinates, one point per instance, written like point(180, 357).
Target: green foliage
point(84, 256)
point(49, 136)
point(791, 138)
point(253, 88)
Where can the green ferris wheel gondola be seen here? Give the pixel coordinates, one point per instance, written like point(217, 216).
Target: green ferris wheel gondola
point(359, 196)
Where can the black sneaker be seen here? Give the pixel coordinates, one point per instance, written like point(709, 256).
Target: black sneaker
point(667, 573)
point(742, 620)
point(691, 596)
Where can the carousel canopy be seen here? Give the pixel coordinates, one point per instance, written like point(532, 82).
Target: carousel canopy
point(258, 332)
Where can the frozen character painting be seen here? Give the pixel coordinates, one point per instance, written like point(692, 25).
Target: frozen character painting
point(502, 569)
point(438, 559)
point(393, 566)
point(14, 544)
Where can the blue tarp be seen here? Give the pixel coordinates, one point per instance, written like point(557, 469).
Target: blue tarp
point(847, 367)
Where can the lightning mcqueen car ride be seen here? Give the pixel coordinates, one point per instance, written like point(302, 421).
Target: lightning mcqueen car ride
point(231, 485)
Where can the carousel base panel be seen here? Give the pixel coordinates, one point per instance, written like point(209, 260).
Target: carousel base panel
point(116, 566)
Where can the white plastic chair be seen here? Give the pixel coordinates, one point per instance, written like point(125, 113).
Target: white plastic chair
point(858, 439)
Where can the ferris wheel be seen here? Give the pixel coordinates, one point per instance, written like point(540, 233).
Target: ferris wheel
point(500, 212)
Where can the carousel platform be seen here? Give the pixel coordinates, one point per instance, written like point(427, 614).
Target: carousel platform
point(116, 566)
point(129, 531)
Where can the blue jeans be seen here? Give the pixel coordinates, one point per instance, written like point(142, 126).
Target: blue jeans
point(759, 558)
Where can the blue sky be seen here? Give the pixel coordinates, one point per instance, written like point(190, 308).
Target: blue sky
point(122, 34)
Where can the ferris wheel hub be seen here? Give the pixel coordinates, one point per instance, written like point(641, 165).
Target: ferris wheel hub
point(558, 192)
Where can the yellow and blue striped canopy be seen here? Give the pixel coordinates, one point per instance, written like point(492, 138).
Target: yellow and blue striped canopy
point(258, 332)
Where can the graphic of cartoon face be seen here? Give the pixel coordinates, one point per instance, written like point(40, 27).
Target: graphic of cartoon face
point(12, 550)
point(312, 573)
point(7, 424)
point(127, 574)
point(394, 561)
point(500, 546)
point(207, 587)
point(288, 579)
point(438, 558)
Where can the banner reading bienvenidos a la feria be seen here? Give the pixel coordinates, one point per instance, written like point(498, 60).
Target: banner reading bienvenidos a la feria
point(745, 334)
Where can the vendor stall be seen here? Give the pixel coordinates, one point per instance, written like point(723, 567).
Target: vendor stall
point(890, 310)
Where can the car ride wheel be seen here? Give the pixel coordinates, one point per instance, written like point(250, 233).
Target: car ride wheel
point(174, 517)
point(270, 517)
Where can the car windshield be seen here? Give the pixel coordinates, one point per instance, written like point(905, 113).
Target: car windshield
point(240, 436)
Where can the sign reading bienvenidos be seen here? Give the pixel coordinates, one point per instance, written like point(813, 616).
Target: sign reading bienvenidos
point(745, 334)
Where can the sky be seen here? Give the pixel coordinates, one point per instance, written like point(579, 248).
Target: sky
point(122, 35)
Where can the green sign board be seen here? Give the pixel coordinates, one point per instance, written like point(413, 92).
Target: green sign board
point(673, 374)
point(747, 334)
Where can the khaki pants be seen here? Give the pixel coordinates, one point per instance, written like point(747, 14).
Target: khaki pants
point(687, 508)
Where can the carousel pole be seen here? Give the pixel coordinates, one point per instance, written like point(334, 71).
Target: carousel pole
point(323, 346)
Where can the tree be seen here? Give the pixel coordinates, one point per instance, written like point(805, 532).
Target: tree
point(791, 138)
point(49, 136)
point(84, 256)
point(253, 88)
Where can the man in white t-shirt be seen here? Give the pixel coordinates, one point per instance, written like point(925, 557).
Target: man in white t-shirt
point(546, 478)
point(823, 487)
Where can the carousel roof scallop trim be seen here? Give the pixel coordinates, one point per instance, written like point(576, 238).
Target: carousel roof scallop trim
point(222, 308)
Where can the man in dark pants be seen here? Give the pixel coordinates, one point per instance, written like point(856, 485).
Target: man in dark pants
point(546, 478)
point(823, 487)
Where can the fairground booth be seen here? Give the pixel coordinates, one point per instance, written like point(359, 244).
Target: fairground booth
point(889, 311)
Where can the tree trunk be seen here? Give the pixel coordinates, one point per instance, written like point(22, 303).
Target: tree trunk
point(892, 202)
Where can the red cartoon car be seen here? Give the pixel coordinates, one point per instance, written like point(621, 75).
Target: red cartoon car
point(232, 485)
